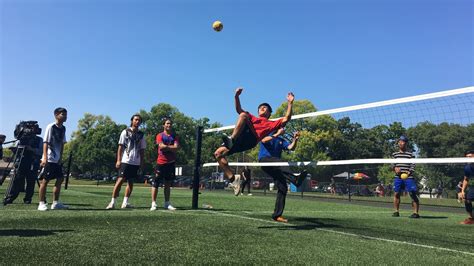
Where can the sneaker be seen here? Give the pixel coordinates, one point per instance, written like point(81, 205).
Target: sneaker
point(126, 206)
point(280, 219)
point(300, 178)
point(42, 207)
point(26, 201)
point(153, 208)
point(59, 206)
point(236, 185)
point(468, 221)
point(111, 206)
point(396, 214)
point(169, 207)
point(415, 216)
point(227, 141)
point(250, 194)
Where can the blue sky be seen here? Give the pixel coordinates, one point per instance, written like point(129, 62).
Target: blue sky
point(117, 57)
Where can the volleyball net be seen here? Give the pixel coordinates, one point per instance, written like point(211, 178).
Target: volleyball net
point(355, 144)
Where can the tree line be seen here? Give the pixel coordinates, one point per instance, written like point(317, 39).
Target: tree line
point(94, 143)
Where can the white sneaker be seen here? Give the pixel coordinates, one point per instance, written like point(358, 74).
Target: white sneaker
point(169, 207)
point(126, 206)
point(59, 206)
point(43, 207)
point(250, 194)
point(236, 185)
point(153, 208)
point(111, 206)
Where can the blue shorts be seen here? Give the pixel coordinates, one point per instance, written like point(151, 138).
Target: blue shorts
point(408, 185)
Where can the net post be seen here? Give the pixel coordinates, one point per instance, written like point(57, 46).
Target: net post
point(349, 184)
point(197, 164)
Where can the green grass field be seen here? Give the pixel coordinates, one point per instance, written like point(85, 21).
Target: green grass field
point(238, 230)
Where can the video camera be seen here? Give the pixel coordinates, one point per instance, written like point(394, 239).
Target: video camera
point(26, 130)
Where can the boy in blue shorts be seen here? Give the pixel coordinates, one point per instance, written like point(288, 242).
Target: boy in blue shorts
point(469, 197)
point(404, 180)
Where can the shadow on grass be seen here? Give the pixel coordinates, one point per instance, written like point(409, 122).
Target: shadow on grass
point(30, 232)
point(78, 204)
point(433, 217)
point(304, 223)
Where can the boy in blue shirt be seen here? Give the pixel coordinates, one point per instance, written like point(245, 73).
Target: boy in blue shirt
point(271, 148)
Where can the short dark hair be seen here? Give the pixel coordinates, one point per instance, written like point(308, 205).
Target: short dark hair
point(469, 152)
point(267, 105)
point(131, 118)
point(166, 118)
point(403, 138)
point(59, 110)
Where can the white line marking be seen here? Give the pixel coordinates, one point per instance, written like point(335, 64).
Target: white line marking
point(347, 234)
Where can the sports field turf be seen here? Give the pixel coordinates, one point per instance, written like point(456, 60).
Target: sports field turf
point(238, 230)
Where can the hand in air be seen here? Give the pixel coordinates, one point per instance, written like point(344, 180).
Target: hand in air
point(238, 91)
point(290, 97)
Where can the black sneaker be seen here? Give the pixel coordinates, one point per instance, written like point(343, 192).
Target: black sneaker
point(227, 141)
point(396, 214)
point(415, 216)
point(300, 178)
point(26, 201)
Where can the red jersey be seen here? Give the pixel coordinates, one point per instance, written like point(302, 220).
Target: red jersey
point(263, 126)
point(167, 156)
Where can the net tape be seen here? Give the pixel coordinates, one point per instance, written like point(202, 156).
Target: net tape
point(461, 160)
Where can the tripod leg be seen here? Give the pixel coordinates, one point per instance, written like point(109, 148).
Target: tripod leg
point(9, 196)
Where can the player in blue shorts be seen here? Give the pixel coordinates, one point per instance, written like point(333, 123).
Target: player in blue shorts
point(468, 195)
point(404, 180)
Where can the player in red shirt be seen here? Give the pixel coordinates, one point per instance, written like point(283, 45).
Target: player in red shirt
point(168, 144)
point(248, 131)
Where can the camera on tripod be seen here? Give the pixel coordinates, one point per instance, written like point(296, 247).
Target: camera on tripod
point(25, 134)
point(25, 131)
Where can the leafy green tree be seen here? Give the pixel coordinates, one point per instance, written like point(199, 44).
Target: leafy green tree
point(183, 126)
point(94, 145)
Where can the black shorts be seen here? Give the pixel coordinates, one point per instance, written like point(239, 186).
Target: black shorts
point(470, 194)
point(52, 171)
point(164, 172)
point(128, 171)
point(246, 141)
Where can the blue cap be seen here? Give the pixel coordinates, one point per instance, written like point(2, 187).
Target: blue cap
point(404, 138)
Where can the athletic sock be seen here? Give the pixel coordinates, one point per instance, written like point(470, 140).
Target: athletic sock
point(112, 201)
point(125, 200)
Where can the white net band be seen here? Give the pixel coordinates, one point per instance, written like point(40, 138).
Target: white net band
point(462, 160)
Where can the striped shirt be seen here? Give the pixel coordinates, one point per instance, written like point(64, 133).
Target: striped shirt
point(404, 167)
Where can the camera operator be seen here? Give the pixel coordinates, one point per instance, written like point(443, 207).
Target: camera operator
point(2, 140)
point(28, 164)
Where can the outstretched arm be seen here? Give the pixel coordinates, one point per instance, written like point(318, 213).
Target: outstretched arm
point(292, 146)
point(290, 98)
point(238, 108)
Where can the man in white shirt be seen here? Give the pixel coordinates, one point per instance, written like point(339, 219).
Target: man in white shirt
point(130, 155)
point(53, 145)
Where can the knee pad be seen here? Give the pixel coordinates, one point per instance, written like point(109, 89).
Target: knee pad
point(414, 197)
